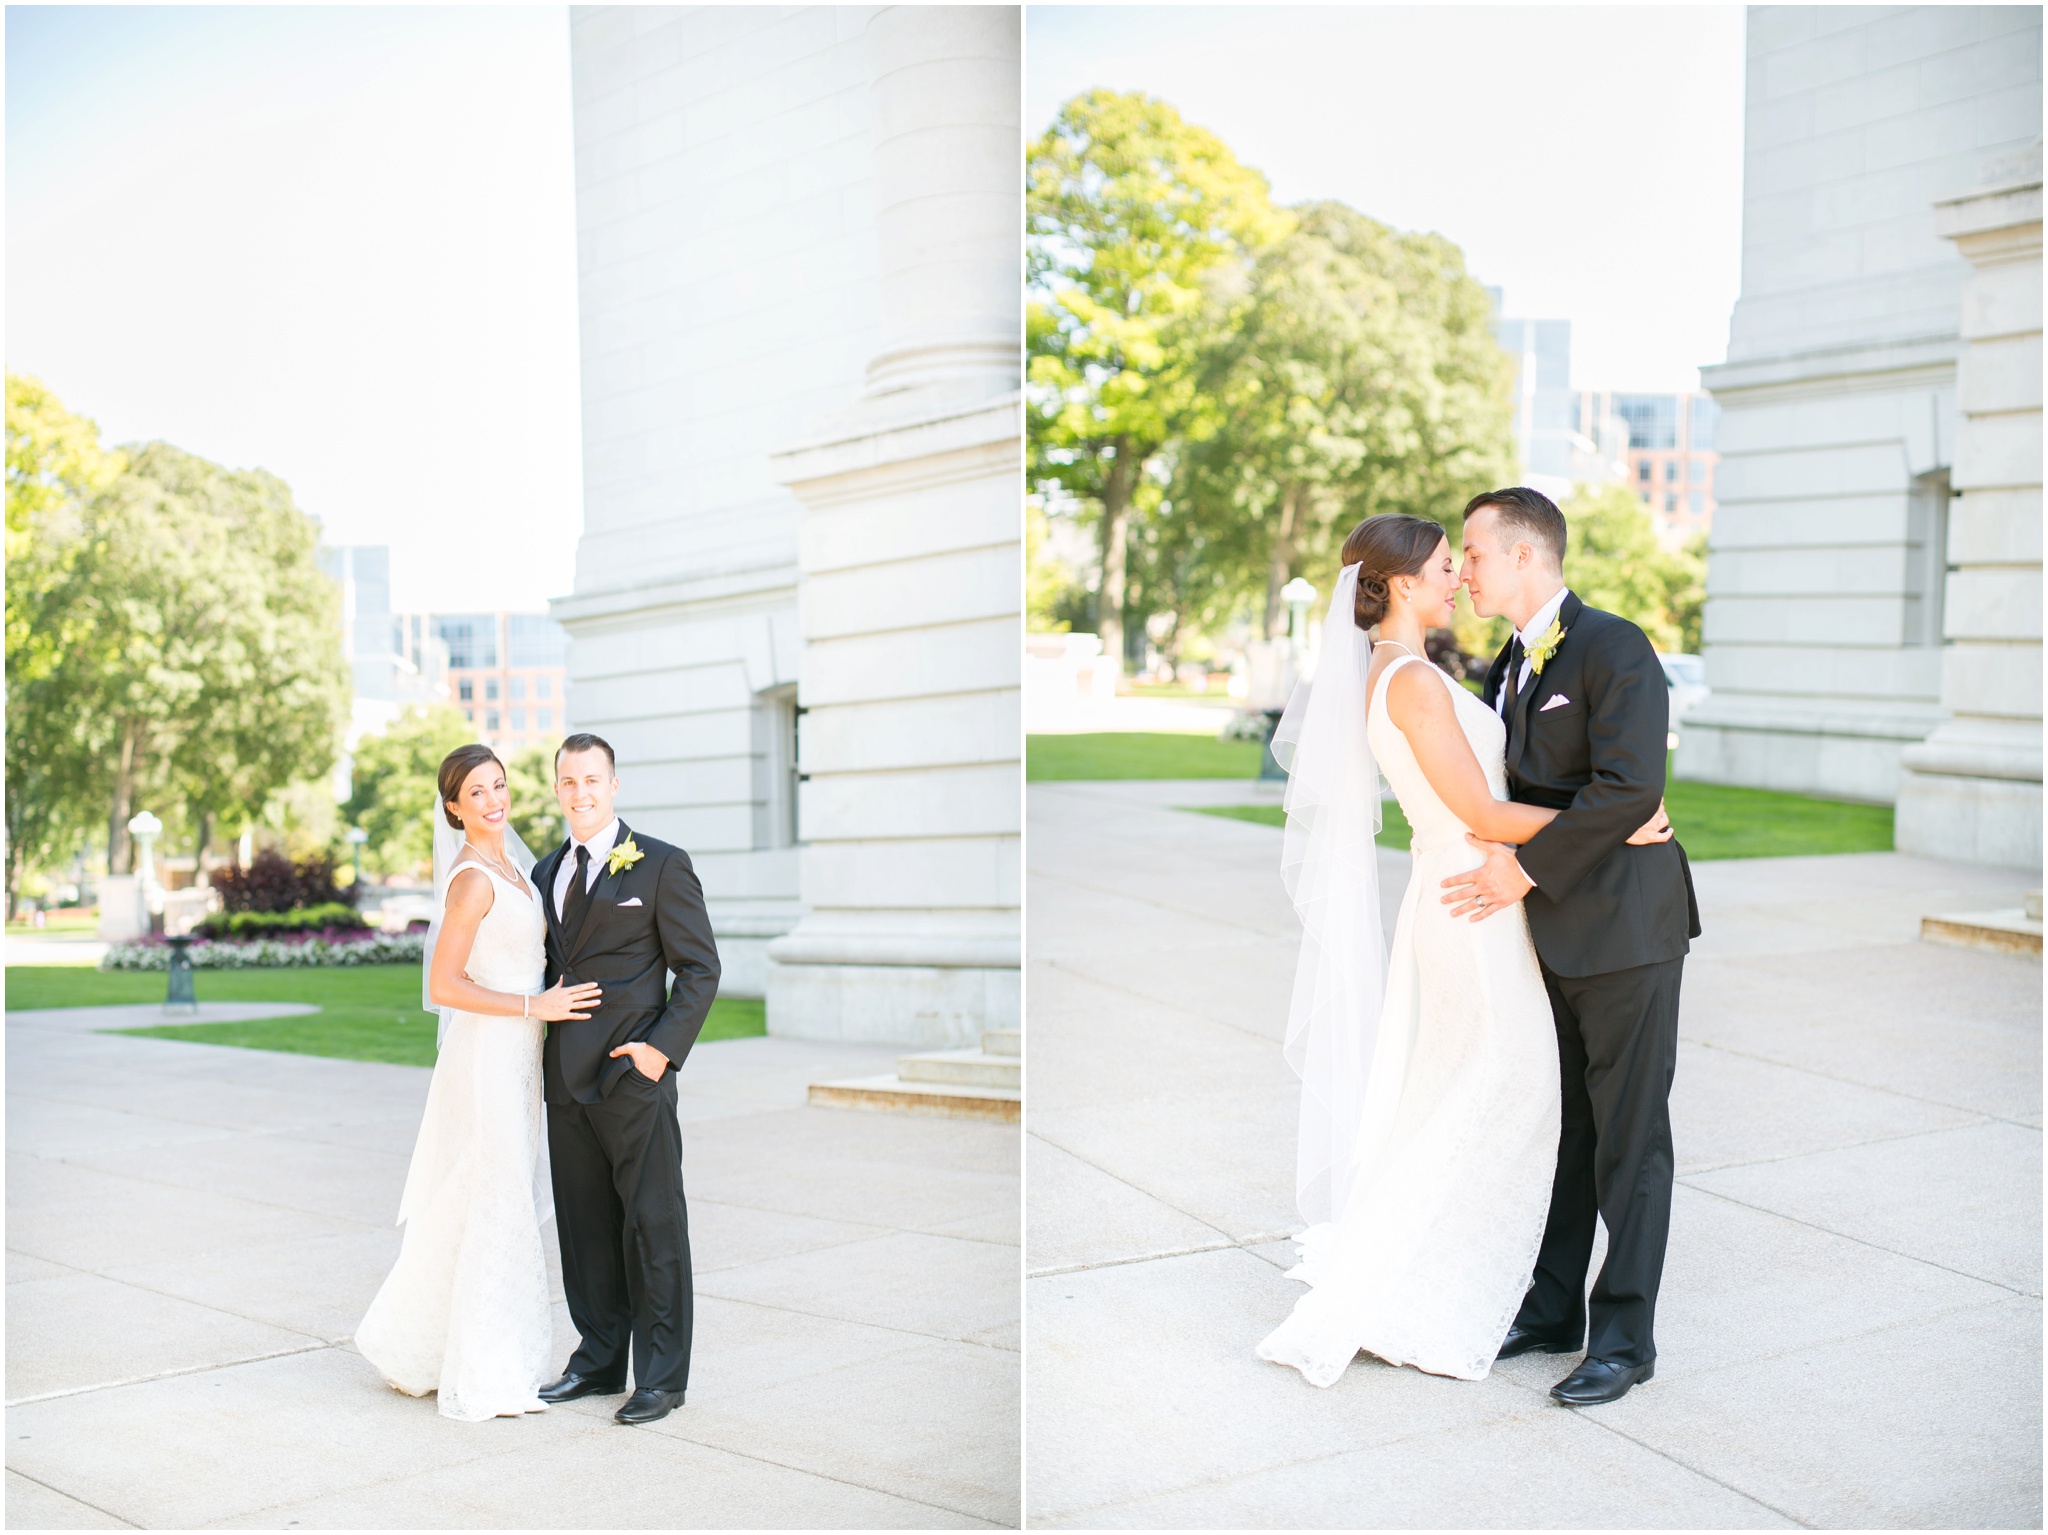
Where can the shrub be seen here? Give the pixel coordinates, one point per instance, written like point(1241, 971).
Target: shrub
point(274, 883)
point(242, 926)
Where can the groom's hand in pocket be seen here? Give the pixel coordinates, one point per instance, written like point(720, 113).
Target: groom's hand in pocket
point(1498, 882)
point(647, 1060)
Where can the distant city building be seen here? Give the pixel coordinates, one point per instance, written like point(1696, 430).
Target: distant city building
point(1873, 615)
point(507, 672)
point(1559, 444)
point(389, 674)
point(1670, 453)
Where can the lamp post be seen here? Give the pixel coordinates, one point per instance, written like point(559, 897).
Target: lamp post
point(145, 829)
point(355, 838)
point(1297, 594)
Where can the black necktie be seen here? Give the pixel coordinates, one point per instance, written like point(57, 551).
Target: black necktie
point(1511, 684)
point(578, 898)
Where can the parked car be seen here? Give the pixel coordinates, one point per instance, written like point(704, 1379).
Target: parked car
point(1686, 679)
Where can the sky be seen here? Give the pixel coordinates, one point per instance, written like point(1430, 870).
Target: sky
point(1587, 159)
point(335, 243)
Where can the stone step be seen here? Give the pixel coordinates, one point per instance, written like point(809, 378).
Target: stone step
point(973, 1067)
point(1008, 1041)
point(943, 1100)
point(2011, 931)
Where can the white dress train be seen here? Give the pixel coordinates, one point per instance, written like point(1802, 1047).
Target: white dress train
point(465, 1312)
point(1428, 1260)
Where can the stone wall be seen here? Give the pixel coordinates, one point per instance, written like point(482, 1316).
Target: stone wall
point(1826, 584)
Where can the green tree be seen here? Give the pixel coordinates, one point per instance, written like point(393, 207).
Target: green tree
point(394, 791)
point(1140, 228)
point(55, 466)
point(1614, 560)
point(1364, 378)
point(536, 813)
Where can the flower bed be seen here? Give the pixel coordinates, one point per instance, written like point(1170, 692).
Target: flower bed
point(315, 949)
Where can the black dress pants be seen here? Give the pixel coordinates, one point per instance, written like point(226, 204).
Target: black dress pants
point(618, 1179)
point(1617, 1046)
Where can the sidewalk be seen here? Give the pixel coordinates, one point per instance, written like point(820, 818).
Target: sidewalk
point(194, 1232)
point(1849, 1333)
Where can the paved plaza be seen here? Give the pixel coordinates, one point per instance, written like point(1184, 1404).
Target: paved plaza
point(193, 1232)
point(1849, 1333)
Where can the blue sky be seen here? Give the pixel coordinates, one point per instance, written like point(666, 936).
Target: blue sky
point(1587, 159)
point(336, 243)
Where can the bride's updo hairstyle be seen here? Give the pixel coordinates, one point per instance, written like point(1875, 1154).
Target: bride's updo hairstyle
point(455, 770)
point(1391, 544)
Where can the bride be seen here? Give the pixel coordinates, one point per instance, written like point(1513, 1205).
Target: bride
point(464, 1312)
point(1429, 1092)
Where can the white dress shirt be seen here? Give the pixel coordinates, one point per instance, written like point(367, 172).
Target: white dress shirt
point(1532, 632)
point(599, 844)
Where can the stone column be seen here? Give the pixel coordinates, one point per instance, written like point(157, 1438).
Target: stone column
point(1972, 789)
point(910, 576)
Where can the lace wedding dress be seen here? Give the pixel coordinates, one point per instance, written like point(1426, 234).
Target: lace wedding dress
point(1427, 1259)
point(465, 1309)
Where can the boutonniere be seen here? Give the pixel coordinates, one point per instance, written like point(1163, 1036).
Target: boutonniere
point(624, 856)
point(1545, 646)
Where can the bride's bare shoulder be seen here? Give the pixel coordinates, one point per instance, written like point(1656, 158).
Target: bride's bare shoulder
point(1416, 693)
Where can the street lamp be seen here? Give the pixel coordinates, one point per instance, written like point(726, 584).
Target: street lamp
point(1297, 594)
point(145, 829)
point(355, 838)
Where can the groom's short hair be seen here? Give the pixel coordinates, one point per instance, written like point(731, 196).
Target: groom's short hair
point(583, 741)
point(1528, 513)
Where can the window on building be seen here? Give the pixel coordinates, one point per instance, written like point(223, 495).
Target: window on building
point(544, 719)
point(1926, 557)
point(519, 720)
point(532, 639)
point(543, 686)
point(491, 689)
point(1696, 471)
point(517, 686)
point(1671, 502)
point(465, 690)
point(1696, 503)
point(777, 782)
point(1643, 470)
point(1704, 416)
point(1670, 470)
point(470, 715)
point(491, 720)
point(471, 638)
point(1645, 497)
point(1652, 419)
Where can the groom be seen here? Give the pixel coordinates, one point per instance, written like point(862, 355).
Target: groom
point(1587, 711)
point(626, 912)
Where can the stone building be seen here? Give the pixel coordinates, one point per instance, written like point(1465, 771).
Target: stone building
point(797, 609)
point(1873, 624)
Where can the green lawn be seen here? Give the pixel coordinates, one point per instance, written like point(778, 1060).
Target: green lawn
point(1137, 754)
point(1713, 822)
point(368, 1012)
point(1394, 830)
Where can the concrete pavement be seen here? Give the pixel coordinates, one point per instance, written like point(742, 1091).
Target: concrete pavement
point(1849, 1333)
point(193, 1232)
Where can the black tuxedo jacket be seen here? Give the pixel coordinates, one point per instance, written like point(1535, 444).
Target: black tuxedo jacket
point(641, 924)
point(1597, 757)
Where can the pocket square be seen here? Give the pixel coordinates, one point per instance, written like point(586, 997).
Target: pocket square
point(634, 902)
point(1557, 702)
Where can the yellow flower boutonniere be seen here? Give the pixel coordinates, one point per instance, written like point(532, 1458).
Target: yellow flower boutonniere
point(624, 856)
point(1545, 646)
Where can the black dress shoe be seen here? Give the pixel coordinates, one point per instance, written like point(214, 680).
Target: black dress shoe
point(1524, 1340)
point(1601, 1380)
point(648, 1406)
point(572, 1385)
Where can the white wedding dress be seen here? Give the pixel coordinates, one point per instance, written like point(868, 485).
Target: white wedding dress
point(465, 1310)
point(1427, 1259)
